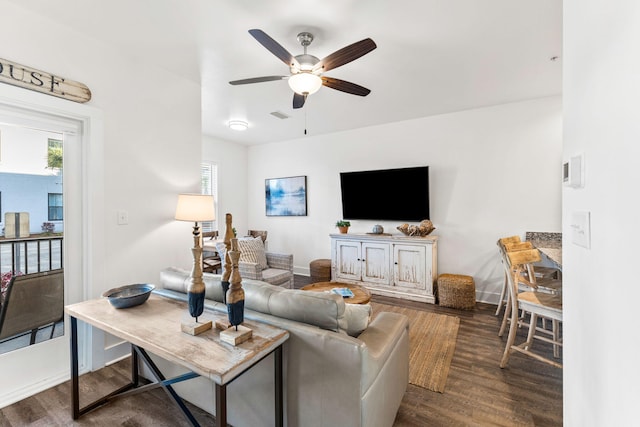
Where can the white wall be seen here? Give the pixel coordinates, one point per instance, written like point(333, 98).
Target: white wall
point(231, 159)
point(493, 172)
point(149, 151)
point(601, 91)
point(152, 141)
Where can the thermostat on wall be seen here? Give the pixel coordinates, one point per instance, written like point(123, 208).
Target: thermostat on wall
point(572, 175)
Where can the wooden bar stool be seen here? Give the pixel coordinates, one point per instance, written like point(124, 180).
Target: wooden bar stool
point(538, 304)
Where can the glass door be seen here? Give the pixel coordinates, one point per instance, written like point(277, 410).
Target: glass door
point(41, 228)
point(32, 233)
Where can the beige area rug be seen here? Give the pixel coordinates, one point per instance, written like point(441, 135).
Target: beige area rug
point(432, 341)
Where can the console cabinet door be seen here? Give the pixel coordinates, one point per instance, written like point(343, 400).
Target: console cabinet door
point(375, 263)
point(409, 262)
point(348, 260)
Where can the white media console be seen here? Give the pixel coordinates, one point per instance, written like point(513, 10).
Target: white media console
point(391, 265)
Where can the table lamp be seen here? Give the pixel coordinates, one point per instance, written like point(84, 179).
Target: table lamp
point(195, 208)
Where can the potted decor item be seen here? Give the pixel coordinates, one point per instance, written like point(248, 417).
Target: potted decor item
point(343, 226)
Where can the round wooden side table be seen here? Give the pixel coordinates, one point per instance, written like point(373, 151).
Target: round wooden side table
point(361, 295)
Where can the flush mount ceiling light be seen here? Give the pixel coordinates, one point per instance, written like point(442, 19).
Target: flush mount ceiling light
point(238, 125)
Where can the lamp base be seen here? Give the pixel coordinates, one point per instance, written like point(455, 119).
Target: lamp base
point(194, 328)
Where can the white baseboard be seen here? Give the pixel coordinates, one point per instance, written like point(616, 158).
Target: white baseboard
point(303, 271)
point(117, 352)
point(487, 297)
point(20, 393)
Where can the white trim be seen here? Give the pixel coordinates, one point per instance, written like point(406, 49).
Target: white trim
point(17, 394)
point(83, 125)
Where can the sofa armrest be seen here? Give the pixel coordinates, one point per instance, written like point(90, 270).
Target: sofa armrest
point(381, 337)
point(280, 261)
point(250, 270)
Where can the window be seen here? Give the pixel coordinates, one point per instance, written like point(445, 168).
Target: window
point(55, 206)
point(54, 153)
point(209, 185)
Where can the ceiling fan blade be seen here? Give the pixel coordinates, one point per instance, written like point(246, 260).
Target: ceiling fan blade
point(274, 47)
point(257, 80)
point(298, 100)
point(345, 86)
point(345, 55)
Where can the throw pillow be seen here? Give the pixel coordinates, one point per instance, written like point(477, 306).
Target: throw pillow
point(358, 317)
point(252, 250)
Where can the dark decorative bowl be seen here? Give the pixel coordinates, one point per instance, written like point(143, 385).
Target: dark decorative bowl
point(129, 295)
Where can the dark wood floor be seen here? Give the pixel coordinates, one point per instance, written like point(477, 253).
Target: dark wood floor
point(478, 392)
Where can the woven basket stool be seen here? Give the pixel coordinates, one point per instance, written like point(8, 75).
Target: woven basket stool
point(320, 270)
point(456, 291)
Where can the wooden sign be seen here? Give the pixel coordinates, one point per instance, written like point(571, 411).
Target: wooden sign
point(30, 78)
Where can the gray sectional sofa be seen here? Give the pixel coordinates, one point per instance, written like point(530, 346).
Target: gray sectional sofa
point(339, 369)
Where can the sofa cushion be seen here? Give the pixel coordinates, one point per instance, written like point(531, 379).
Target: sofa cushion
point(312, 308)
point(275, 275)
point(252, 250)
point(324, 310)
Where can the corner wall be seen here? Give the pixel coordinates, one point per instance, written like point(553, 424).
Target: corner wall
point(494, 172)
point(148, 149)
point(600, 290)
point(152, 143)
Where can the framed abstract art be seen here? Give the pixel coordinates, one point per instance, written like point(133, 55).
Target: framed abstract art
point(286, 196)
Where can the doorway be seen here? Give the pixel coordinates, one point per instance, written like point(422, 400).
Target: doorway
point(31, 233)
point(33, 368)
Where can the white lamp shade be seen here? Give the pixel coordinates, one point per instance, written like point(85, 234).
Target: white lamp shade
point(305, 83)
point(195, 208)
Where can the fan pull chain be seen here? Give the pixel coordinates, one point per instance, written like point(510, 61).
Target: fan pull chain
point(305, 121)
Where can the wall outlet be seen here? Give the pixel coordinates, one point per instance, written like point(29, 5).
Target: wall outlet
point(123, 217)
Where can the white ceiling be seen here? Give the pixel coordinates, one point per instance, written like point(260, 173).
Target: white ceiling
point(433, 56)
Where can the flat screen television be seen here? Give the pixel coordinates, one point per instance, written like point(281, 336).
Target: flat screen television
point(388, 194)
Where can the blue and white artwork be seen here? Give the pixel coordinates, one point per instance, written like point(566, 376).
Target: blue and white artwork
point(286, 196)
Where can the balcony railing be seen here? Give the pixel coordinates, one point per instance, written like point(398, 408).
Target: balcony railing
point(31, 255)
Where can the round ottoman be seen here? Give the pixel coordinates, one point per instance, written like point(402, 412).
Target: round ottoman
point(456, 291)
point(320, 270)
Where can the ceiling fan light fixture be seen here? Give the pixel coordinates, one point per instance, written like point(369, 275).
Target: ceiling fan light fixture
point(305, 83)
point(238, 125)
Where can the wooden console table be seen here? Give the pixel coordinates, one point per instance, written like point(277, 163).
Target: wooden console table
point(155, 327)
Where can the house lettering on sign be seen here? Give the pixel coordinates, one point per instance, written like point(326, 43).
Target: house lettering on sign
point(40, 81)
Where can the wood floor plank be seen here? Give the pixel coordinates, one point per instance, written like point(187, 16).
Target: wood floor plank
point(478, 393)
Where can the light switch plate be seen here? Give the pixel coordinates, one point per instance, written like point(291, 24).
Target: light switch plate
point(581, 229)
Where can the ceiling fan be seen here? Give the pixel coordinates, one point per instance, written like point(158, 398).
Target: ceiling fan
point(306, 70)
